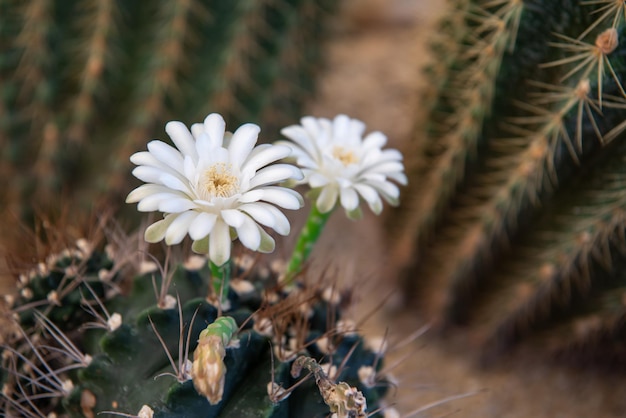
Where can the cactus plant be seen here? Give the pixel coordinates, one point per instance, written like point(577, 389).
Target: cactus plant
point(91, 340)
point(514, 224)
point(95, 334)
point(83, 83)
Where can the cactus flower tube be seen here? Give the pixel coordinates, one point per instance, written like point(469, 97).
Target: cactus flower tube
point(340, 165)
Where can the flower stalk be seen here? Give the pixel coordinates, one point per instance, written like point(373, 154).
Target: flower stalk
point(220, 280)
point(306, 241)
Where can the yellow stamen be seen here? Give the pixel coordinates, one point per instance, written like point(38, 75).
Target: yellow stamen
point(218, 181)
point(346, 157)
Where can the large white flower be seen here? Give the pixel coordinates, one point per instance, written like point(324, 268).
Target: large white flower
point(214, 186)
point(339, 163)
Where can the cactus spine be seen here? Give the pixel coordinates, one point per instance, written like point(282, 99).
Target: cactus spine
point(516, 219)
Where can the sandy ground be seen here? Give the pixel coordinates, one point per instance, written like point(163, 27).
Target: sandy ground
point(373, 74)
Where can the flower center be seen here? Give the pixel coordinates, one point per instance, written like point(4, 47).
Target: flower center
point(346, 157)
point(218, 181)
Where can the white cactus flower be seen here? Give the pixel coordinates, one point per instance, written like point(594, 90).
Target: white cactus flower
point(339, 164)
point(215, 186)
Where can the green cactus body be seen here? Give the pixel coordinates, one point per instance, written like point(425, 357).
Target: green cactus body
point(84, 83)
point(518, 187)
point(89, 340)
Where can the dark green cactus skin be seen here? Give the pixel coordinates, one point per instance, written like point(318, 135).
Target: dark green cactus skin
point(515, 208)
point(85, 83)
point(121, 375)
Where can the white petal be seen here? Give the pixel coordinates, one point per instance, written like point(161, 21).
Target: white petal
point(389, 190)
point(197, 129)
point(176, 205)
point(387, 167)
point(304, 161)
point(156, 231)
point(182, 138)
point(148, 174)
point(205, 147)
point(166, 154)
point(283, 197)
point(274, 174)
point(317, 180)
point(201, 226)
point(145, 158)
point(215, 126)
point(151, 174)
point(374, 140)
point(399, 177)
point(252, 196)
point(313, 126)
point(233, 217)
point(179, 228)
point(341, 127)
point(242, 142)
point(301, 139)
point(268, 215)
point(249, 234)
point(145, 190)
point(211, 157)
point(357, 128)
point(175, 183)
point(267, 154)
point(370, 195)
point(152, 202)
point(349, 198)
point(327, 198)
point(391, 154)
point(259, 212)
point(219, 243)
point(189, 168)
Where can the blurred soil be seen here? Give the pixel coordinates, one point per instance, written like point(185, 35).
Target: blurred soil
point(373, 74)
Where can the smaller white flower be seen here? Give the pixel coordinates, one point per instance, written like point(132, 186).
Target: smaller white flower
point(215, 186)
point(339, 164)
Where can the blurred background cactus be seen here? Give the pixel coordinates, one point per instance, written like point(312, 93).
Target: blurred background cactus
point(99, 328)
point(514, 218)
point(84, 83)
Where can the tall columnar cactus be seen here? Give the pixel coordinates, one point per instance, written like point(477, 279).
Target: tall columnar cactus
point(83, 83)
point(90, 335)
point(514, 221)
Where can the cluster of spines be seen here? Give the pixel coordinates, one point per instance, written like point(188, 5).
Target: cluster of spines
point(85, 83)
point(550, 113)
point(69, 351)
